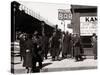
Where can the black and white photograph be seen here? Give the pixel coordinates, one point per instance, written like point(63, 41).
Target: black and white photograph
point(53, 37)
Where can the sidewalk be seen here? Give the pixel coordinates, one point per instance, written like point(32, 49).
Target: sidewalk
point(63, 65)
point(69, 64)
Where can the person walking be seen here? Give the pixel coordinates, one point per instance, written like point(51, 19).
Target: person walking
point(28, 54)
point(22, 39)
point(37, 53)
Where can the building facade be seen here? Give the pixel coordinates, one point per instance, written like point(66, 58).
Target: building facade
point(84, 22)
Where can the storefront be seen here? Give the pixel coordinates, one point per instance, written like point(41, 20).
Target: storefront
point(84, 22)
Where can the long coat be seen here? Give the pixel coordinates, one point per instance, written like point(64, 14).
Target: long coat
point(28, 53)
point(94, 43)
point(45, 44)
point(38, 53)
point(77, 46)
point(22, 47)
point(66, 45)
point(55, 44)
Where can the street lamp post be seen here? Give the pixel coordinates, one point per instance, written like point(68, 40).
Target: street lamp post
point(63, 24)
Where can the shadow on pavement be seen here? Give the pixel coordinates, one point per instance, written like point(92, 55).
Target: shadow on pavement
point(46, 64)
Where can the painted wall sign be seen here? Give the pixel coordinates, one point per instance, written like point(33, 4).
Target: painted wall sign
point(88, 25)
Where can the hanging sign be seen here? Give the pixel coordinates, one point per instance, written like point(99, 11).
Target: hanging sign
point(64, 14)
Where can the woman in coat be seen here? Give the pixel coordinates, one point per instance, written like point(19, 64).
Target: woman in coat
point(28, 54)
point(22, 42)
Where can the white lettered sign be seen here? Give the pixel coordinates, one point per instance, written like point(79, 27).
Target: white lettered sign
point(88, 25)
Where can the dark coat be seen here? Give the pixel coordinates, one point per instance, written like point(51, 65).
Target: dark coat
point(45, 43)
point(22, 47)
point(28, 54)
point(77, 45)
point(66, 44)
point(94, 44)
point(38, 53)
point(55, 44)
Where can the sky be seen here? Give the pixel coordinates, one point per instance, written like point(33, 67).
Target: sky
point(50, 12)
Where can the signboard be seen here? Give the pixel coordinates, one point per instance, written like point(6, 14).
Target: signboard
point(88, 25)
point(64, 14)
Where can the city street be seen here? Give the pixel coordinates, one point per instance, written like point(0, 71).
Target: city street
point(71, 30)
point(63, 65)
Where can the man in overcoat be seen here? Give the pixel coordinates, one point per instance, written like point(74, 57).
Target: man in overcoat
point(66, 45)
point(55, 46)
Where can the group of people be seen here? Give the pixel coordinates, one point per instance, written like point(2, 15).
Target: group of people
point(31, 51)
point(67, 45)
point(35, 48)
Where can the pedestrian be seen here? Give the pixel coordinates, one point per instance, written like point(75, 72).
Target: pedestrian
point(45, 44)
point(38, 53)
point(22, 39)
point(94, 45)
point(62, 42)
point(28, 54)
point(50, 47)
point(59, 35)
point(55, 46)
point(77, 52)
point(66, 45)
point(71, 45)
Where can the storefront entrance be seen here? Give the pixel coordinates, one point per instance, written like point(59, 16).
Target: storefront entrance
point(84, 22)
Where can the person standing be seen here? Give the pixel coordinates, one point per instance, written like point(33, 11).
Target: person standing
point(59, 35)
point(45, 44)
point(55, 46)
point(73, 40)
point(38, 53)
point(22, 42)
point(66, 45)
point(71, 45)
point(94, 44)
point(28, 54)
point(50, 47)
point(77, 52)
